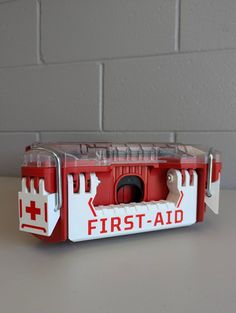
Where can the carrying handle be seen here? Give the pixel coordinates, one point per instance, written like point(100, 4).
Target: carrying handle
point(58, 173)
point(209, 173)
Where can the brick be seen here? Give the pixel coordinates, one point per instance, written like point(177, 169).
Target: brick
point(207, 24)
point(18, 33)
point(86, 29)
point(193, 91)
point(225, 142)
point(12, 149)
point(109, 137)
point(62, 97)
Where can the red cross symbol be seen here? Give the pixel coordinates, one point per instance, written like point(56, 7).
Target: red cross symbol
point(32, 210)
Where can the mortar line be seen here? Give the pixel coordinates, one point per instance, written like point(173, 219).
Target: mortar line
point(38, 137)
point(134, 57)
point(7, 1)
point(39, 33)
point(101, 97)
point(177, 25)
point(174, 132)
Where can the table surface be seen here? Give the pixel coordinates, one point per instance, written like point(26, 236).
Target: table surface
point(190, 269)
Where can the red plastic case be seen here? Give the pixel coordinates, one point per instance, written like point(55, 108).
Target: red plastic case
point(82, 191)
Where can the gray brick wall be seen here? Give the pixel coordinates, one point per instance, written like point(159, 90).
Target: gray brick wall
point(117, 70)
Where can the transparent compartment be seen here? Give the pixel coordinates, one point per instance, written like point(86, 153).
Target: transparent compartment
point(103, 154)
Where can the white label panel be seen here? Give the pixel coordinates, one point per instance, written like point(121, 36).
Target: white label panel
point(89, 222)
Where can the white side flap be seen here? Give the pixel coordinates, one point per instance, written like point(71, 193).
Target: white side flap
point(213, 202)
point(37, 213)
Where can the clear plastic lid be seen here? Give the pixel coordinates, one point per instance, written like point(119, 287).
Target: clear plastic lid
point(104, 154)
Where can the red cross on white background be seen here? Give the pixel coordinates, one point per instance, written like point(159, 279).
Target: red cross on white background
point(32, 210)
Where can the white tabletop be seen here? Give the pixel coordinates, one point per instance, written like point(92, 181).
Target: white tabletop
point(190, 270)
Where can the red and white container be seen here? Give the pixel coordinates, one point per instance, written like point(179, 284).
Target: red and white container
point(82, 191)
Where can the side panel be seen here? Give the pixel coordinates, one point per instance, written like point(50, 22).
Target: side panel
point(37, 209)
point(32, 176)
point(87, 221)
